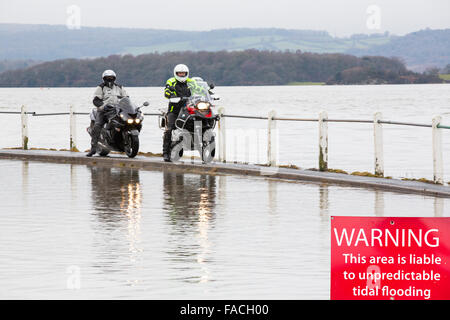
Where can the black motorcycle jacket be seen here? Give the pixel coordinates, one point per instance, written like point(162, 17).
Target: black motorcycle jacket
point(182, 90)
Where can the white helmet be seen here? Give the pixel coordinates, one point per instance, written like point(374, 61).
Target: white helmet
point(181, 68)
point(108, 73)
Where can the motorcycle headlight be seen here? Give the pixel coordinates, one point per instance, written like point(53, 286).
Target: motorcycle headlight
point(138, 120)
point(203, 106)
point(130, 121)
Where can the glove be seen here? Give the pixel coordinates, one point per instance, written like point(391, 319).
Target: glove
point(97, 102)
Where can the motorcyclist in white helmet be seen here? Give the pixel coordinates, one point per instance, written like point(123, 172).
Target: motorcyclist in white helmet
point(177, 86)
point(106, 93)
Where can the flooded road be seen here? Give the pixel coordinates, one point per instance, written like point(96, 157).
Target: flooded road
point(76, 232)
point(407, 150)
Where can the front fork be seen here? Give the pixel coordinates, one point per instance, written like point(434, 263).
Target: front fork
point(204, 142)
point(127, 133)
point(198, 136)
point(184, 140)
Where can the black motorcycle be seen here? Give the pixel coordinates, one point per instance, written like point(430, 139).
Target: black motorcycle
point(195, 123)
point(121, 132)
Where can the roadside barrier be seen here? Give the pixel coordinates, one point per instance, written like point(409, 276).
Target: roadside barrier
point(322, 120)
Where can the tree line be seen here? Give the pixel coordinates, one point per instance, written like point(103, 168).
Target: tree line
point(236, 68)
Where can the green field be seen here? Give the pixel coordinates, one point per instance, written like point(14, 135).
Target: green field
point(316, 44)
point(445, 77)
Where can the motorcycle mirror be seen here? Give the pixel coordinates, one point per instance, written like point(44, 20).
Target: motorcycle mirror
point(175, 100)
point(211, 85)
point(145, 104)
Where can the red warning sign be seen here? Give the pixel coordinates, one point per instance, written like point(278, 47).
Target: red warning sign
point(390, 258)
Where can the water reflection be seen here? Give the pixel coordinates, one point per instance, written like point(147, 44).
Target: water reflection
point(115, 190)
point(272, 193)
point(73, 183)
point(25, 180)
point(438, 207)
point(189, 201)
point(323, 200)
point(117, 203)
point(379, 203)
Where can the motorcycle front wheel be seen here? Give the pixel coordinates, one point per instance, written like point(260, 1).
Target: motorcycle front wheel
point(176, 151)
point(104, 152)
point(132, 145)
point(209, 147)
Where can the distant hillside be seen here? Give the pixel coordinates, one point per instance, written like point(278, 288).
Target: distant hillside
point(249, 67)
point(419, 50)
point(16, 64)
point(48, 42)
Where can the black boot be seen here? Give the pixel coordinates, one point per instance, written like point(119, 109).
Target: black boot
point(166, 157)
point(166, 145)
point(94, 140)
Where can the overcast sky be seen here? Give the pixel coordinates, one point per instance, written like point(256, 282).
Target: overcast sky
point(338, 17)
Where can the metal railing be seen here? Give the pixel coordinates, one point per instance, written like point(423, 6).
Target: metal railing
point(323, 120)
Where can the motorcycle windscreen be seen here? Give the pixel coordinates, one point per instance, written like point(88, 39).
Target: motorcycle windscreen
point(127, 106)
point(199, 92)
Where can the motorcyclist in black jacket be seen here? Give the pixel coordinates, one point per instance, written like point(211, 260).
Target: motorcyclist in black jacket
point(177, 86)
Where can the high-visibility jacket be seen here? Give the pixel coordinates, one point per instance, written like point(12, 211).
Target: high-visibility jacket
point(182, 89)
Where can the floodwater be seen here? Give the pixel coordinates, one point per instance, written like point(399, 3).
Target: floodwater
point(80, 232)
point(407, 150)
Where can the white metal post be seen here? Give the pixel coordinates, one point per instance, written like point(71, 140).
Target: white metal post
point(378, 143)
point(73, 131)
point(24, 117)
point(438, 163)
point(271, 139)
point(323, 141)
point(222, 136)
